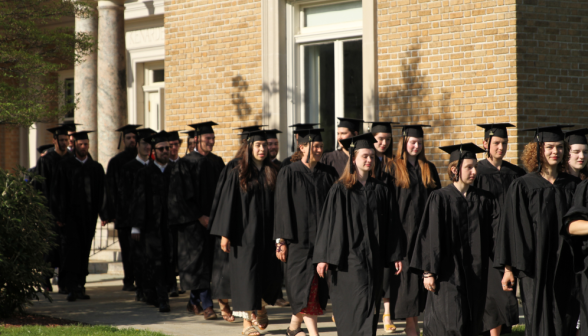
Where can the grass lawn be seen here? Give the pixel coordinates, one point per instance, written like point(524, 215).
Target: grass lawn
point(518, 331)
point(75, 330)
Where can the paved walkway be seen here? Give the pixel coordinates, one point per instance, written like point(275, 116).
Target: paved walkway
point(109, 305)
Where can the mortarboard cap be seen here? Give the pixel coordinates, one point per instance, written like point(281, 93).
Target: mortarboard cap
point(173, 136)
point(258, 135)
point(462, 151)
point(381, 126)
point(143, 133)
point(59, 130)
point(247, 129)
point(495, 130)
point(309, 135)
point(576, 137)
point(272, 134)
point(350, 123)
point(71, 126)
point(42, 149)
point(366, 140)
point(415, 131)
point(302, 126)
point(81, 135)
point(156, 138)
point(203, 127)
point(130, 128)
point(191, 134)
point(549, 133)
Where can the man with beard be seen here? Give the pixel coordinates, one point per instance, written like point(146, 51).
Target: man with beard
point(46, 167)
point(149, 218)
point(136, 241)
point(70, 126)
point(273, 145)
point(77, 199)
point(114, 184)
point(174, 146)
point(346, 129)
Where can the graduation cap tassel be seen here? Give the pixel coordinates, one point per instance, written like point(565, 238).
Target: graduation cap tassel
point(293, 142)
point(351, 152)
point(120, 140)
point(309, 149)
point(403, 147)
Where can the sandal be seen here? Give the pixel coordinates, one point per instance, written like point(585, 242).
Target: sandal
point(251, 331)
point(294, 332)
point(261, 319)
point(226, 311)
point(388, 328)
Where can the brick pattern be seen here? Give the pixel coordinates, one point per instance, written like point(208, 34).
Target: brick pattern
point(450, 64)
point(213, 67)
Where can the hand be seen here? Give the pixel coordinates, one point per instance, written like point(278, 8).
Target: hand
point(282, 254)
point(136, 236)
point(508, 280)
point(104, 223)
point(225, 244)
point(60, 224)
point(204, 221)
point(398, 265)
point(322, 269)
point(430, 283)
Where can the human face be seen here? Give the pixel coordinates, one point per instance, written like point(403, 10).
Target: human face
point(61, 142)
point(469, 171)
point(554, 152)
point(273, 147)
point(206, 143)
point(384, 140)
point(162, 152)
point(81, 148)
point(578, 156)
point(343, 133)
point(259, 150)
point(174, 148)
point(130, 140)
point(498, 147)
point(414, 146)
point(72, 141)
point(144, 148)
point(191, 145)
point(316, 153)
point(364, 159)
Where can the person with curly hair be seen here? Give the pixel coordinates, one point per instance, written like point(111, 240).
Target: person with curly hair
point(529, 245)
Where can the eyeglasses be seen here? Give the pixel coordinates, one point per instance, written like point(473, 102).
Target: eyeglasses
point(163, 149)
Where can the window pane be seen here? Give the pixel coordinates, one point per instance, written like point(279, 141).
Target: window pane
point(319, 78)
point(353, 79)
point(158, 76)
point(331, 14)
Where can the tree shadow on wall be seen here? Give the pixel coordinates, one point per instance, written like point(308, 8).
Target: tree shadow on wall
point(240, 86)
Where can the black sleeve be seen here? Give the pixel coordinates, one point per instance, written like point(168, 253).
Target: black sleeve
point(284, 210)
point(426, 248)
point(331, 241)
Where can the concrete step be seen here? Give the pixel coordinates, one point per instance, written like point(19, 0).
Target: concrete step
point(108, 255)
point(106, 267)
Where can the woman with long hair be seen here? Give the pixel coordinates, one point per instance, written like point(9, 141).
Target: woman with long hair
point(383, 165)
point(414, 179)
point(529, 244)
point(245, 222)
point(356, 240)
point(301, 190)
point(496, 175)
point(451, 248)
point(578, 153)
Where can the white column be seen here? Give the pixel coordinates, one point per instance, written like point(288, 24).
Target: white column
point(112, 91)
point(370, 61)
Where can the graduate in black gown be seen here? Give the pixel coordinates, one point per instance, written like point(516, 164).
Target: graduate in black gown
point(297, 127)
point(114, 184)
point(192, 182)
point(495, 175)
point(191, 145)
point(273, 145)
point(356, 239)
point(382, 131)
point(245, 221)
point(576, 232)
point(46, 167)
point(452, 247)
point(149, 218)
point(414, 178)
point(128, 173)
point(529, 245)
point(578, 153)
point(338, 158)
point(77, 200)
point(301, 190)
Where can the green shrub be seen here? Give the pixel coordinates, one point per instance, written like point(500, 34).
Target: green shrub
point(26, 235)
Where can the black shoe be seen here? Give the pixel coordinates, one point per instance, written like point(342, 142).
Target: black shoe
point(82, 296)
point(129, 288)
point(152, 302)
point(63, 290)
point(71, 297)
point(174, 292)
point(139, 296)
point(164, 308)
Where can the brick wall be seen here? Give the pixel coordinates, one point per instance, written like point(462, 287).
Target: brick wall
point(451, 64)
point(213, 66)
point(9, 147)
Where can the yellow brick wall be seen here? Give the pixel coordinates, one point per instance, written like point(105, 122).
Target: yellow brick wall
point(450, 64)
point(213, 67)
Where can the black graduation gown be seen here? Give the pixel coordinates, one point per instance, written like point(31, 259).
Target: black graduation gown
point(502, 307)
point(247, 220)
point(336, 159)
point(149, 213)
point(406, 291)
point(452, 244)
point(529, 241)
point(356, 237)
point(77, 200)
point(190, 198)
point(286, 161)
point(46, 167)
point(299, 198)
point(114, 184)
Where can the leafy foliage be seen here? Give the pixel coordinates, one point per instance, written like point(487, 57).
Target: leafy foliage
point(31, 52)
point(25, 237)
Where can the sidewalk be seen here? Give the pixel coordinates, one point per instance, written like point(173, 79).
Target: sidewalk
point(110, 305)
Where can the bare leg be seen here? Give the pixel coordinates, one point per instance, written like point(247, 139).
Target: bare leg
point(295, 322)
point(246, 324)
point(412, 326)
point(311, 324)
point(496, 331)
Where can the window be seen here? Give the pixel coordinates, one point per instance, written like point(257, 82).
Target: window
point(325, 68)
point(158, 76)
point(153, 115)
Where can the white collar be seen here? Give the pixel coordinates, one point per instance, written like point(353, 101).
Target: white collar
point(140, 160)
point(84, 161)
point(160, 166)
